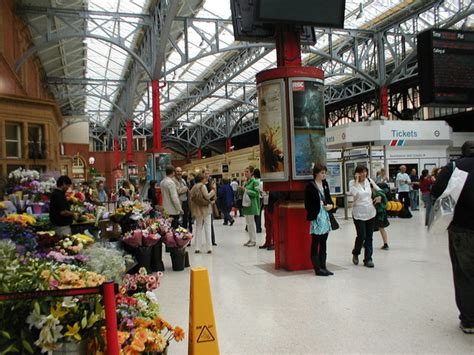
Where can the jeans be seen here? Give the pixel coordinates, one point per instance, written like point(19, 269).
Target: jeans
point(414, 199)
point(203, 230)
point(365, 231)
point(428, 201)
point(404, 198)
point(461, 250)
point(227, 217)
point(186, 214)
point(268, 227)
point(319, 249)
point(258, 221)
point(250, 220)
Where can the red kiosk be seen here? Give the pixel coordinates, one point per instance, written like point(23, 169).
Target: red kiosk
point(292, 139)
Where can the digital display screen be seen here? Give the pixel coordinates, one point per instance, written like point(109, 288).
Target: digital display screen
point(319, 13)
point(446, 67)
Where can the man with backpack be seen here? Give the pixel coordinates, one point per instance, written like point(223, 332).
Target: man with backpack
point(461, 235)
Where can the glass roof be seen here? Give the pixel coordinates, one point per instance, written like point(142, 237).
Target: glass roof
point(106, 61)
point(107, 64)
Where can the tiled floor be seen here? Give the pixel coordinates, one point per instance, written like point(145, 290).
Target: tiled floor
point(404, 305)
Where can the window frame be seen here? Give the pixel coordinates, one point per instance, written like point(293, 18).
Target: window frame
point(18, 141)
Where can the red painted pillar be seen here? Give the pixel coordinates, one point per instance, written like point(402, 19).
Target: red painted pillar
point(228, 144)
point(288, 47)
point(155, 99)
point(116, 154)
point(199, 153)
point(110, 318)
point(188, 157)
point(384, 101)
point(129, 141)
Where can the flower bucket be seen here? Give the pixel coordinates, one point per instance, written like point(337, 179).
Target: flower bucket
point(177, 258)
point(157, 257)
point(71, 348)
point(37, 208)
point(143, 256)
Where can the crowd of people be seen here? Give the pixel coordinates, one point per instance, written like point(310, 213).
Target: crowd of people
point(199, 199)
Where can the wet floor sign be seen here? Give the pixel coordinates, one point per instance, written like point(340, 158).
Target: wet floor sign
point(202, 338)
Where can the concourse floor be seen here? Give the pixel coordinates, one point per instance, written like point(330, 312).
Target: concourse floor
point(404, 305)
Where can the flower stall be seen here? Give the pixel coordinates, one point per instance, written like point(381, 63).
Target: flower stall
point(34, 258)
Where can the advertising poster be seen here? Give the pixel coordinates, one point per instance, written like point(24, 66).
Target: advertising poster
point(334, 178)
point(308, 126)
point(272, 131)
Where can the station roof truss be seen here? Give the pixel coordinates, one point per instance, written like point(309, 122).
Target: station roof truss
point(99, 57)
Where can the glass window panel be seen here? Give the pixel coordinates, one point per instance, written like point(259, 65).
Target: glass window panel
point(13, 150)
point(12, 131)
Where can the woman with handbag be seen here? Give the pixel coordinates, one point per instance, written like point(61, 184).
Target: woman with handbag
point(251, 205)
point(363, 214)
point(317, 202)
point(200, 204)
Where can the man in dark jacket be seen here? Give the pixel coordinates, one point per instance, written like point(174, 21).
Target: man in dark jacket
point(225, 197)
point(461, 236)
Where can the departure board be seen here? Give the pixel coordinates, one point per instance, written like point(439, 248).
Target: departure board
point(446, 67)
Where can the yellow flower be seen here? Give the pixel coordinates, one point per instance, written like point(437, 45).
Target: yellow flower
point(73, 331)
point(58, 312)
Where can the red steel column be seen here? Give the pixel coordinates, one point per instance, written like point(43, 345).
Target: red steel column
point(199, 153)
point(129, 141)
point(116, 154)
point(384, 101)
point(155, 99)
point(110, 319)
point(228, 144)
point(188, 156)
point(288, 47)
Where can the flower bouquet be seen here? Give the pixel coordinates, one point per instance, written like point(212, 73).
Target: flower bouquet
point(141, 282)
point(178, 238)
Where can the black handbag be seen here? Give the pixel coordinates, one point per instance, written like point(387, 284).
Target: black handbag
point(332, 219)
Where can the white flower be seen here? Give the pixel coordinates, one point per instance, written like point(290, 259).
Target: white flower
point(50, 334)
point(35, 319)
point(69, 302)
point(151, 297)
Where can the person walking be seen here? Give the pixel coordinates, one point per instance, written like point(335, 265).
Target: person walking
point(363, 214)
point(200, 204)
point(182, 188)
point(251, 207)
point(414, 190)
point(403, 184)
point(461, 236)
point(426, 182)
point(318, 203)
point(226, 196)
point(169, 193)
point(211, 186)
point(381, 219)
point(60, 213)
point(258, 218)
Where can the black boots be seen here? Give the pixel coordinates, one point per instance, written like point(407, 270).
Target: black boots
point(319, 265)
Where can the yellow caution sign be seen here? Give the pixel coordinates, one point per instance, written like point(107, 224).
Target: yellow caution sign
point(202, 339)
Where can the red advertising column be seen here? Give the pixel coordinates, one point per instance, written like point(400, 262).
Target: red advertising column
point(292, 139)
point(199, 153)
point(129, 141)
point(384, 101)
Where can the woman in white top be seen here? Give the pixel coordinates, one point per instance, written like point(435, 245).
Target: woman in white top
point(363, 214)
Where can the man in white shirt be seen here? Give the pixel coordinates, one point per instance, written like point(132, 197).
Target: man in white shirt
point(169, 192)
point(403, 184)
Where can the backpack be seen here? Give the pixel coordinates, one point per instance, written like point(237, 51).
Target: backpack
point(198, 198)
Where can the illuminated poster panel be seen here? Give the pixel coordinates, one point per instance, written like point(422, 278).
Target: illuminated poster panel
point(272, 131)
point(308, 125)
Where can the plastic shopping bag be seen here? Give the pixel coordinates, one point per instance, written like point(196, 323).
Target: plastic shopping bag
point(442, 214)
